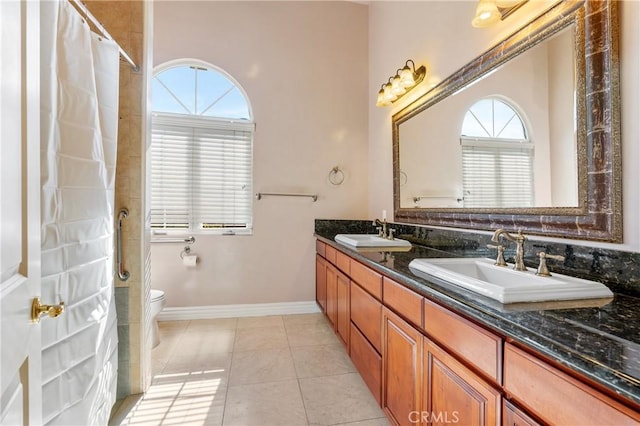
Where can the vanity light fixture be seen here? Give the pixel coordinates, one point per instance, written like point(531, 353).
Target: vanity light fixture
point(404, 80)
point(489, 12)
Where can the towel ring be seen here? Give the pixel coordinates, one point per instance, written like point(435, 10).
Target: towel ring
point(403, 178)
point(336, 176)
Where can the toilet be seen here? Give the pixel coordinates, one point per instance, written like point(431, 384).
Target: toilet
point(157, 303)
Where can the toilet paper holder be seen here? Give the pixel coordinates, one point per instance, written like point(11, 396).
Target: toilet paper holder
point(187, 249)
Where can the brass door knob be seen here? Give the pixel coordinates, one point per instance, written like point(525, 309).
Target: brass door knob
point(37, 310)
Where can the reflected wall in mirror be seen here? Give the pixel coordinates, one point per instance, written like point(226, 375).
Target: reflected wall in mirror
point(526, 136)
point(507, 140)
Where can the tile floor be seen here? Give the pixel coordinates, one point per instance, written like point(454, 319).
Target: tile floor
point(279, 370)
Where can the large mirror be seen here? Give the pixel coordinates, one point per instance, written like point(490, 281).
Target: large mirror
point(526, 136)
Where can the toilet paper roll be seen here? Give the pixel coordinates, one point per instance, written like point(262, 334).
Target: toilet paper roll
point(190, 260)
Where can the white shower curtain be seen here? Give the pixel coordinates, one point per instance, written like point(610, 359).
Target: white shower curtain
point(79, 107)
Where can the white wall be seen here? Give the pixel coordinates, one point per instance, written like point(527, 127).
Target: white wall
point(304, 66)
point(439, 33)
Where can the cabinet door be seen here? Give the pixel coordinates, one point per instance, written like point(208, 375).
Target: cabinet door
point(343, 321)
point(401, 369)
point(332, 294)
point(454, 394)
point(513, 416)
point(321, 282)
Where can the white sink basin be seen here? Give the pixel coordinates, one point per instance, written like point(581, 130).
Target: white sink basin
point(504, 284)
point(369, 240)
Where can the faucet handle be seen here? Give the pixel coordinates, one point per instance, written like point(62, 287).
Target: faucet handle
point(379, 229)
point(391, 231)
point(500, 258)
point(543, 270)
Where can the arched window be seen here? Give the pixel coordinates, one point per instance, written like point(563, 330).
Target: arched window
point(497, 157)
point(201, 151)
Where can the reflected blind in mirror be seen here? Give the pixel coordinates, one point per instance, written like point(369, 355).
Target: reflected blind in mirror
point(497, 174)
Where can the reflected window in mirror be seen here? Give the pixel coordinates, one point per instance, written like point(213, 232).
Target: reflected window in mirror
point(562, 69)
point(497, 156)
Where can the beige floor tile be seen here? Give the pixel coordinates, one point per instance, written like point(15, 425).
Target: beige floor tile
point(276, 403)
point(382, 421)
point(338, 399)
point(311, 335)
point(212, 340)
point(188, 365)
point(304, 319)
point(323, 360)
point(216, 323)
point(242, 372)
point(259, 322)
point(252, 339)
point(269, 365)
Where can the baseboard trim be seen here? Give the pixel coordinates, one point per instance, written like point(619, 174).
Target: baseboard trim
point(232, 311)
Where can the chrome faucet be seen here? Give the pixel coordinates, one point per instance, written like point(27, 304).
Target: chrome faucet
point(383, 231)
point(519, 239)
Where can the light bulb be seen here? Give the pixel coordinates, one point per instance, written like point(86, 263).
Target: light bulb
point(487, 14)
point(388, 94)
point(381, 102)
point(396, 88)
point(406, 77)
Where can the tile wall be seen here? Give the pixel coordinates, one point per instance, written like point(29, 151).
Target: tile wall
point(124, 20)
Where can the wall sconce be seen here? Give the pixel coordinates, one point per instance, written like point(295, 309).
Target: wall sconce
point(404, 80)
point(489, 12)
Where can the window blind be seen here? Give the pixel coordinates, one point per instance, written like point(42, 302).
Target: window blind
point(497, 174)
point(201, 174)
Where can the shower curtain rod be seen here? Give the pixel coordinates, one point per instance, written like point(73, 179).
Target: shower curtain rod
point(83, 10)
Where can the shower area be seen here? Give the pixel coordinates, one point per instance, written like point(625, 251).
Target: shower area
point(92, 168)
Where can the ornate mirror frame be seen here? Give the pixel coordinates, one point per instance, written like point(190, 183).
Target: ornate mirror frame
point(599, 214)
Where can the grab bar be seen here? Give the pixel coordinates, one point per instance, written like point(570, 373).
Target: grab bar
point(122, 274)
point(259, 195)
point(189, 240)
point(442, 197)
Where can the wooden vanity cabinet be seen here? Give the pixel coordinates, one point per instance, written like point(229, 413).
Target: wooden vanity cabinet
point(342, 308)
point(331, 311)
point(401, 369)
point(426, 364)
point(321, 282)
point(557, 398)
point(453, 393)
point(332, 290)
point(513, 416)
point(366, 326)
point(470, 342)
point(367, 361)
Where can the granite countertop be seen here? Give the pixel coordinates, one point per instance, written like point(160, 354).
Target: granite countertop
point(599, 339)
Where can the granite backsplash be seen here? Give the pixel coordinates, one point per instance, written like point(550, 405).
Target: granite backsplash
point(619, 270)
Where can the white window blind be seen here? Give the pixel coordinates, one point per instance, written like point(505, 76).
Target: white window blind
point(201, 174)
point(497, 173)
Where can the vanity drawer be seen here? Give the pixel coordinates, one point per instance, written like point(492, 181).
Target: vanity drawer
point(367, 361)
point(366, 314)
point(367, 279)
point(330, 254)
point(320, 248)
point(476, 345)
point(403, 301)
point(343, 262)
point(557, 398)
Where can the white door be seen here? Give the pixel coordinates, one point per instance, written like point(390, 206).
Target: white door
point(20, 375)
